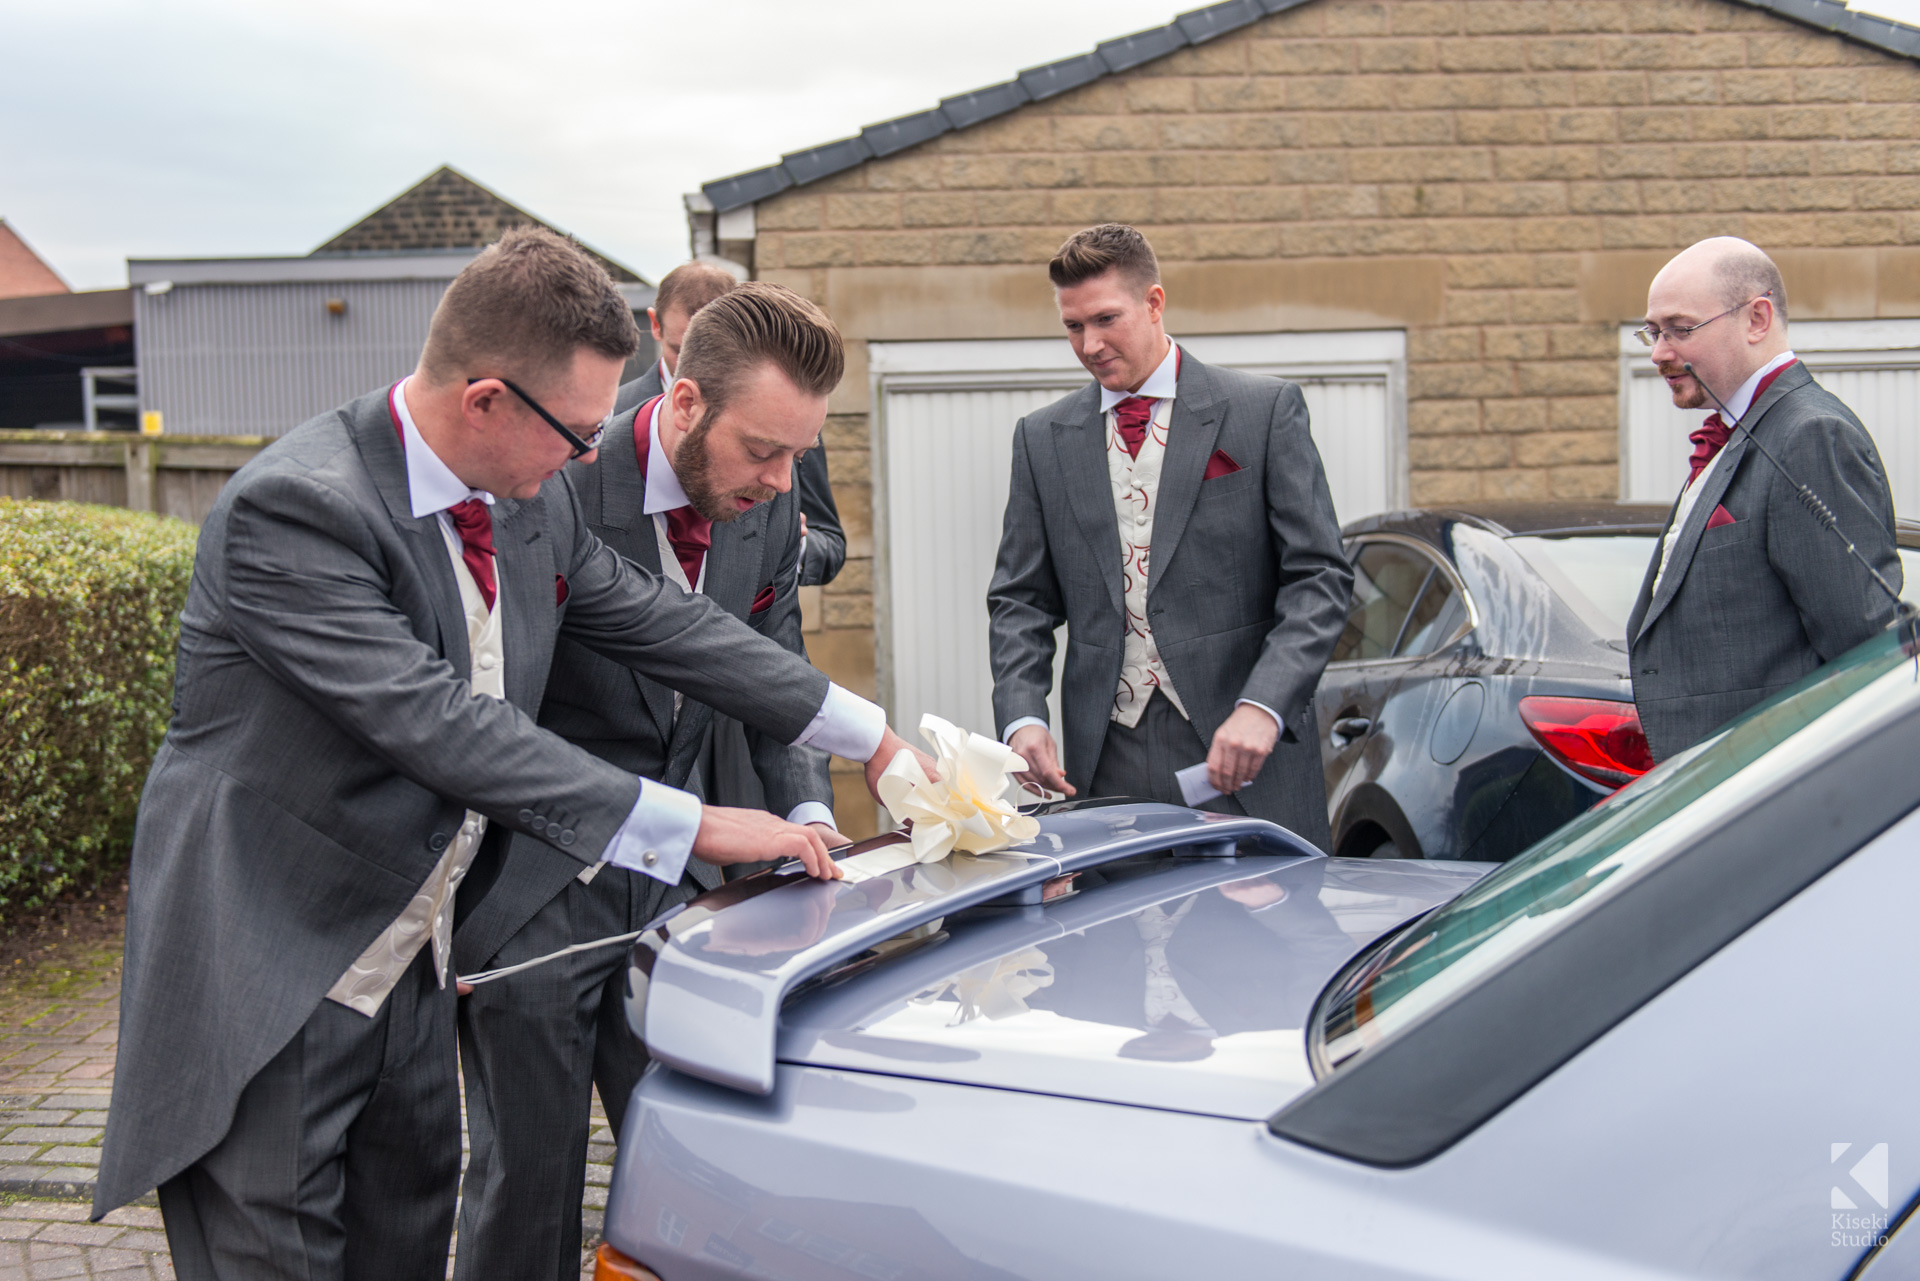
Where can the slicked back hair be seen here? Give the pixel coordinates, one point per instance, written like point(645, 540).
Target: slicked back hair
point(755, 324)
point(525, 306)
point(1746, 274)
point(691, 286)
point(1112, 246)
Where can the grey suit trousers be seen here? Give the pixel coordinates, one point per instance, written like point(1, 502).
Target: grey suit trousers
point(560, 1025)
point(1141, 761)
point(342, 1158)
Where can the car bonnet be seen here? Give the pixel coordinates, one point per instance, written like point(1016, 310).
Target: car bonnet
point(1182, 985)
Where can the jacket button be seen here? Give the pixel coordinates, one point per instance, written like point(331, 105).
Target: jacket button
point(526, 816)
point(437, 842)
point(566, 837)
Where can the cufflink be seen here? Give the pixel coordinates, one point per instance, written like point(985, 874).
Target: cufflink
point(649, 858)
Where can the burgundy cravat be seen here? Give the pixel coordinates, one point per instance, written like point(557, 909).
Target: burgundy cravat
point(473, 521)
point(1714, 433)
point(1130, 419)
point(688, 532)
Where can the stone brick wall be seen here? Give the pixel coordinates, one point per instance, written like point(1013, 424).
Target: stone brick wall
point(1504, 136)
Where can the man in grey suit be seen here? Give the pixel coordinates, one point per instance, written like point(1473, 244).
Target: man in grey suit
point(374, 605)
point(534, 1045)
point(1212, 476)
point(1747, 592)
point(683, 292)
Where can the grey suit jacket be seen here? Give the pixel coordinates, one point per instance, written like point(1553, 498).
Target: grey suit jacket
point(826, 547)
point(1747, 609)
point(1249, 588)
point(325, 743)
point(627, 718)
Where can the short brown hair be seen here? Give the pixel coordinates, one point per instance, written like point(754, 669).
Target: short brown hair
point(1112, 246)
point(754, 324)
point(528, 302)
point(691, 286)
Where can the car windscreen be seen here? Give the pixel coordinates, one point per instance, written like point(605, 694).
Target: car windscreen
point(1592, 858)
point(1597, 575)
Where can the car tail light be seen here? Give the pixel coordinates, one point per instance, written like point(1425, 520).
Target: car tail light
point(611, 1265)
point(1596, 738)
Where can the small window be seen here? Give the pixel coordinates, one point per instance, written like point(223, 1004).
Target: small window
point(1387, 581)
point(1433, 621)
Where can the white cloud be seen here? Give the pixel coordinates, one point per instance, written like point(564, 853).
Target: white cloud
point(208, 127)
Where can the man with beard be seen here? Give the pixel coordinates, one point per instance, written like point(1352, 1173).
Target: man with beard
point(695, 484)
point(684, 291)
point(1747, 592)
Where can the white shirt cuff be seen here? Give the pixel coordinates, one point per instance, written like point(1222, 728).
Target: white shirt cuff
point(846, 725)
point(1006, 735)
point(1247, 702)
point(657, 838)
point(811, 812)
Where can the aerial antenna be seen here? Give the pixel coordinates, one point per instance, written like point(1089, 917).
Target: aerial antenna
point(1908, 615)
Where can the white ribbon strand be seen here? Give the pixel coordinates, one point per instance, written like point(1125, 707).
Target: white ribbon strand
point(488, 976)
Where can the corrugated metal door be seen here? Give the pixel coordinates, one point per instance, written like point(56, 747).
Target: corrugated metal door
point(1872, 365)
point(946, 417)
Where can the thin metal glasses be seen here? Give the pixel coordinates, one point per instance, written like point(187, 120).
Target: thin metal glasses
point(1650, 333)
point(580, 446)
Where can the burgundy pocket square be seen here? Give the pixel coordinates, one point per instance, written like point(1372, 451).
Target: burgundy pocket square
point(1221, 464)
point(764, 601)
point(559, 589)
point(1721, 516)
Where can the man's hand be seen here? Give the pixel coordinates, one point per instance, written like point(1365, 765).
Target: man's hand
point(1036, 747)
point(833, 839)
point(753, 836)
point(1240, 747)
point(891, 745)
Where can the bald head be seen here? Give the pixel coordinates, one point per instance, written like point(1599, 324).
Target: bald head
point(1721, 307)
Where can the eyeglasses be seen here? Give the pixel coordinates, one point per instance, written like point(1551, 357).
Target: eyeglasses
point(580, 446)
point(1650, 333)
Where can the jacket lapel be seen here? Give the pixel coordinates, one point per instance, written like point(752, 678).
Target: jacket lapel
point(1191, 432)
point(524, 554)
point(378, 437)
point(627, 529)
point(1080, 451)
point(1714, 488)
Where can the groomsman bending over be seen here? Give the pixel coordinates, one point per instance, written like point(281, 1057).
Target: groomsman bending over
point(697, 485)
point(375, 601)
point(1176, 518)
point(1747, 592)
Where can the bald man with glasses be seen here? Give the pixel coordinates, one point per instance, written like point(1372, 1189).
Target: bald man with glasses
point(1747, 592)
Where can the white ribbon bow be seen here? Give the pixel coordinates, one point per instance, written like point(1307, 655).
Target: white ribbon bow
point(967, 810)
point(996, 990)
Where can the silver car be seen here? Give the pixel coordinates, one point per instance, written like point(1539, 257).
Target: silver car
point(1679, 1038)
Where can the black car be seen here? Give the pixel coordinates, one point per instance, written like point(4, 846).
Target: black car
point(1479, 695)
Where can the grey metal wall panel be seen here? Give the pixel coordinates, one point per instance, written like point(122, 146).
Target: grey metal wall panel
point(246, 360)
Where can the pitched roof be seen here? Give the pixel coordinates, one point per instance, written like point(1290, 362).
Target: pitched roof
point(1195, 27)
point(22, 272)
point(445, 210)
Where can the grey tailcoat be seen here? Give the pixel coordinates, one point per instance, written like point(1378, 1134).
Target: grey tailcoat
point(627, 718)
point(1248, 591)
point(1748, 608)
point(325, 744)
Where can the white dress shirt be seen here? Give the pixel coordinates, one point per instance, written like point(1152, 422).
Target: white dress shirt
point(1136, 489)
point(1737, 405)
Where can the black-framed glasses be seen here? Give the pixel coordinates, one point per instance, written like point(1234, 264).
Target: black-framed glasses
point(581, 446)
point(1650, 333)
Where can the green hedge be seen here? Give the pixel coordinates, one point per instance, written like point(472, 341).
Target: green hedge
point(90, 603)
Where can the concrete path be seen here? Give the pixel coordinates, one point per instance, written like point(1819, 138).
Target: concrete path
point(58, 1026)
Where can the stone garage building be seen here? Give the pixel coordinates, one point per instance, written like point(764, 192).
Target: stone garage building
point(1440, 216)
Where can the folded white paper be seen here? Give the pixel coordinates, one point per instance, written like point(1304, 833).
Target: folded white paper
point(1194, 785)
point(969, 809)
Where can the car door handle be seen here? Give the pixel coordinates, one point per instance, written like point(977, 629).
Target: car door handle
point(1348, 728)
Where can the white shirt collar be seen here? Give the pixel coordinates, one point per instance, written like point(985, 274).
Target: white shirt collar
point(663, 487)
point(666, 379)
point(1739, 402)
point(1159, 384)
point(431, 485)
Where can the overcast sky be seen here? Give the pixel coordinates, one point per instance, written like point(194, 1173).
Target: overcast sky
point(211, 127)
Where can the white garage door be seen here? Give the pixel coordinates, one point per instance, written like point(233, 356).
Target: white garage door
point(946, 415)
point(1872, 365)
